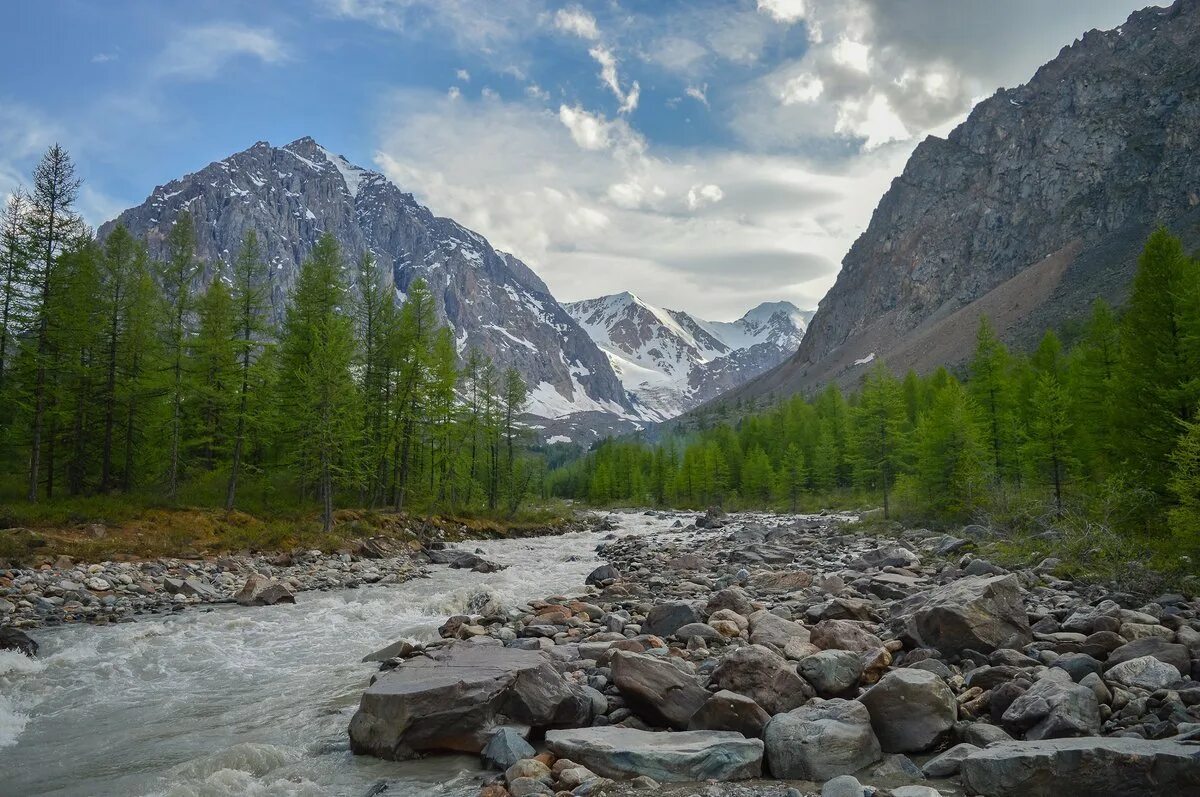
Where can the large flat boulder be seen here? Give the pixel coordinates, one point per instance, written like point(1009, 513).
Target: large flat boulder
point(453, 698)
point(619, 753)
point(982, 613)
point(1085, 767)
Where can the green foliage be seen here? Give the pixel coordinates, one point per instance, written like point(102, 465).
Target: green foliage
point(169, 381)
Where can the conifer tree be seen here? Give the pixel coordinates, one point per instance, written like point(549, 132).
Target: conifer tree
point(992, 388)
point(1048, 445)
point(416, 329)
point(793, 475)
point(1185, 487)
point(317, 386)
point(252, 332)
point(14, 264)
point(1091, 378)
point(879, 432)
point(176, 275)
point(121, 266)
point(1155, 385)
point(213, 369)
point(951, 463)
point(51, 223)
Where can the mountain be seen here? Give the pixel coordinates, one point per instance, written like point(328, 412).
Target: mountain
point(291, 195)
point(672, 361)
point(1030, 209)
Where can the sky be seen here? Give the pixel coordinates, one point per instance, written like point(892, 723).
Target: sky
point(707, 155)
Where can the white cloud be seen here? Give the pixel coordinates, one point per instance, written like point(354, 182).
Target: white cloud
point(578, 22)
point(463, 75)
point(489, 93)
point(199, 53)
point(536, 92)
point(801, 88)
point(786, 11)
point(594, 208)
point(700, 195)
point(608, 75)
point(698, 93)
point(454, 93)
point(103, 58)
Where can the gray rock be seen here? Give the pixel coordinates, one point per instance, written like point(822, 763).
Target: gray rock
point(667, 618)
point(657, 689)
point(623, 753)
point(1146, 673)
point(774, 631)
point(911, 710)
point(831, 672)
point(1088, 767)
point(452, 698)
point(842, 786)
point(981, 734)
point(764, 676)
point(729, 711)
point(262, 591)
point(948, 763)
point(602, 574)
point(821, 740)
point(1176, 655)
point(15, 639)
point(1052, 708)
point(887, 556)
point(976, 612)
point(505, 747)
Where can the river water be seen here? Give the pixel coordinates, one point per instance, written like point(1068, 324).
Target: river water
point(249, 701)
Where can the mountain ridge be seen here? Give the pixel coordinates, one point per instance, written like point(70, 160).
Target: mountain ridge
point(1027, 211)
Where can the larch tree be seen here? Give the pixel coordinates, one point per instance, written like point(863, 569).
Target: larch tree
point(252, 330)
point(878, 432)
point(51, 223)
point(176, 274)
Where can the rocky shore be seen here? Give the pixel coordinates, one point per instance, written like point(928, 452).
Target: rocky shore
point(764, 656)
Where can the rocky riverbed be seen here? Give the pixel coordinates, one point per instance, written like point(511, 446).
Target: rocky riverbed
point(763, 655)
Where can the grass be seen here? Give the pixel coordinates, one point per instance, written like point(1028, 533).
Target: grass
point(143, 526)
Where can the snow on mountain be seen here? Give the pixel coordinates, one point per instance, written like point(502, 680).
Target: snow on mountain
point(672, 361)
point(291, 195)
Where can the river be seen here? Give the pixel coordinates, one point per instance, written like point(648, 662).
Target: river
point(249, 701)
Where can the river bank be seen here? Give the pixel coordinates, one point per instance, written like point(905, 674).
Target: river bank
point(751, 646)
point(229, 701)
point(56, 589)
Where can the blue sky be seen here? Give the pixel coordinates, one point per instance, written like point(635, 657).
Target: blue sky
point(706, 155)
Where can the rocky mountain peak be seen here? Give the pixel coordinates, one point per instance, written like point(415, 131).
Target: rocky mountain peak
point(1030, 209)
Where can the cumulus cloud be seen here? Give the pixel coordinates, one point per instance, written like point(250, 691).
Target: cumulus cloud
point(594, 208)
point(199, 53)
point(786, 11)
point(576, 21)
point(463, 75)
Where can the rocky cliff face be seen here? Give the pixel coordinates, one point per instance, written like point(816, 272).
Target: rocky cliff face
point(291, 195)
point(672, 361)
point(1034, 206)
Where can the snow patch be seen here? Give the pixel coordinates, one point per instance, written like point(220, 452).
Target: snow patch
point(865, 360)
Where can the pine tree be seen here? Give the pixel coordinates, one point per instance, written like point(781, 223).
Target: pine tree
point(878, 439)
point(213, 368)
point(176, 275)
point(14, 264)
point(51, 223)
point(992, 388)
point(793, 475)
point(1185, 486)
point(1092, 372)
point(514, 397)
point(1155, 384)
point(1048, 446)
point(252, 332)
point(416, 331)
point(317, 386)
point(121, 268)
point(377, 330)
point(951, 462)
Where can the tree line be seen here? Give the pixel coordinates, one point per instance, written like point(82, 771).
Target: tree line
point(1114, 411)
point(117, 375)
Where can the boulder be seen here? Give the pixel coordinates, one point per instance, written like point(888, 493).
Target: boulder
point(763, 676)
point(1146, 673)
point(844, 635)
point(667, 618)
point(1054, 707)
point(452, 698)
point(657, 689)
point(13, 639)
point(977, 612)
point(832, 672)
point(732, 599)
point(1177, 656)
point(886, 556)
point(1088, 767)
point(774, 631)
point(842, 786)
point(506, 747)
point(602, 574)
point(821, 740)
point(949, 762)
point(911, 710)
point(262, 591)
point(729, 711)
point(474, 563)
point(623, 753)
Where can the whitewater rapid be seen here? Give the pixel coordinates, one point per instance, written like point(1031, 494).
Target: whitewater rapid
point(250, 701)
